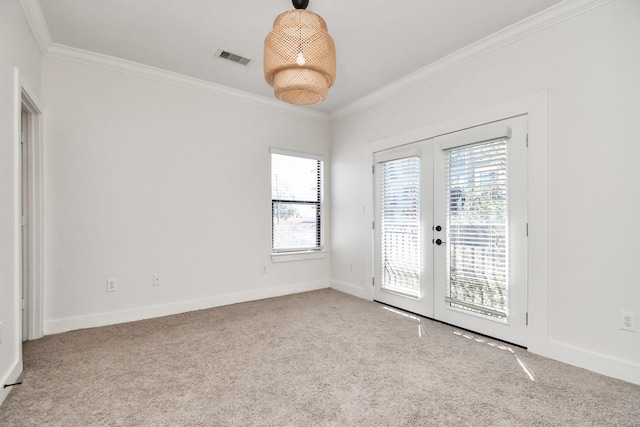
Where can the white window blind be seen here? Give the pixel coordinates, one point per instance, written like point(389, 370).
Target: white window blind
point(400, 225)
point(296, 203)
point(477, 235)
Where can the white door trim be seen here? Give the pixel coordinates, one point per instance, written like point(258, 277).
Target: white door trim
point(26, 97)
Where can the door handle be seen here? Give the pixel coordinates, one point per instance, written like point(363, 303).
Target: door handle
point(439, 242)
point(438, 228)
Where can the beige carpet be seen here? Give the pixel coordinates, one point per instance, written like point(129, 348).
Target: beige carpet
point(314, 359)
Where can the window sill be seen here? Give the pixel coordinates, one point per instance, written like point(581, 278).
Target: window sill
point(298, 256)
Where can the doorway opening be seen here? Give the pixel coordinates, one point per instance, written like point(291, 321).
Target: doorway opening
point(24, 215)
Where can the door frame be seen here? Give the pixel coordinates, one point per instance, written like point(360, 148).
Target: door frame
point(536, 108)
point(25, 231)
point(25, 98)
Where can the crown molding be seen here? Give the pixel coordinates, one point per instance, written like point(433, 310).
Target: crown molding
point(38, 24)
point(93, 59)
point(531, 25)
point(40, 29)
point(535, 23)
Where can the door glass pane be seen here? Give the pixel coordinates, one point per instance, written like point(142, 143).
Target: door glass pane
point(400, 228)
point(477, 244)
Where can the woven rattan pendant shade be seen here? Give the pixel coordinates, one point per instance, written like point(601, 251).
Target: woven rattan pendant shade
point(300, 58)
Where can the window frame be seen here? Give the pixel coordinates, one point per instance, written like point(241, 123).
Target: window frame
point(317, 251)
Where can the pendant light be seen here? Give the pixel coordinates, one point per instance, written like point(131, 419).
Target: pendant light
point(300, 56)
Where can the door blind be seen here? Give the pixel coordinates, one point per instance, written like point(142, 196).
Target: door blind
point(400, 226)
point(477, 235)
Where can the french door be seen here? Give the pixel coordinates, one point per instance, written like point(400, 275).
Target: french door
point(451, 229)
point(404, 199)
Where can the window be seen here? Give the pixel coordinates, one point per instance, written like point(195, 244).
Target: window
point(296, 202)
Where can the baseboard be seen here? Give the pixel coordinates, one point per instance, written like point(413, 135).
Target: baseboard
point(103, 319)
point(11, 378)
point(351, 289)
point(596, 362)
point(592, 361)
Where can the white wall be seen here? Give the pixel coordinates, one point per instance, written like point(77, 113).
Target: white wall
point(589, 65)
point(17, 49)
point(144, 177)
point(149, 178)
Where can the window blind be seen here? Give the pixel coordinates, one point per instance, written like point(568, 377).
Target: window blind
point(400, 225)
point(477, 228)
point(296, 203)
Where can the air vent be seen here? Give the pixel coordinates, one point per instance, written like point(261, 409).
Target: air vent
point(232, 57)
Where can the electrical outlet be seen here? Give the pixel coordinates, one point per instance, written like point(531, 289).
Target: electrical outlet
point(350, 266)
point(112, 285)
point(156, 280)
point(627, 321)
point(264, 268)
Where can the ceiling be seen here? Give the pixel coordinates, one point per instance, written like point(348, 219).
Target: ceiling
point(377, 41)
